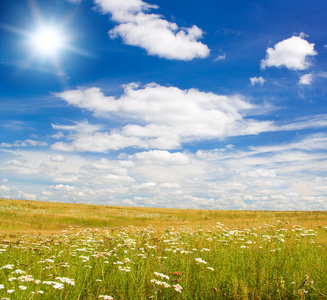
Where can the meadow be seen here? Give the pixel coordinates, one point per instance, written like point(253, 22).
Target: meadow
point(77, 251)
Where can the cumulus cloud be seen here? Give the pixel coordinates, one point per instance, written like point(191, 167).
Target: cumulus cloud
point(158, 117)
point(20, 165)
point(257, 80)
point(86, 137)
point(162, 157)
point(4, 188)
point(57, 158)
point(65, 187)
point(260, 177)
point(171, 185)
point(291, 53)
point(151, 32)
point(98, 142)
point(306, 79)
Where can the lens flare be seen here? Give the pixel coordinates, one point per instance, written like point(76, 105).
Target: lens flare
point(48, 41)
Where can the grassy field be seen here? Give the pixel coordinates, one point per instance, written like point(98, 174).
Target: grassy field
point(75, 251)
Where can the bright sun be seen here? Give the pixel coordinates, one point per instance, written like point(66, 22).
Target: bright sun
point(47, 41)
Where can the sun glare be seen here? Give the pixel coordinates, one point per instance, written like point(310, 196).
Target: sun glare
point(47, 41)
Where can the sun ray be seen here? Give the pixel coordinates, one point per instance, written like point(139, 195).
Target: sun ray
point(44, 44)
point(47, 40)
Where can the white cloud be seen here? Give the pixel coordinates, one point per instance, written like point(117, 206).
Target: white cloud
point(158, 117)
point(291, 53)
point(4, 188)
point(58, 135)
point(84, 127)
point(306, 79)
point(86, 137)
point(20, 165)
point(162, 157)
point(313, 121)
point(171, 185)
point(25, 143)
point(74, 1)
point(46, 193)
point(57, 158)
point(220, 57)
point(260, 177)
point(27, 196)
point(260, 173)
point(129, 202)
point(145, 186)
point(65, 187)
point(257, 80)
point(151, 32)
point(303, 35)
point(98, 142)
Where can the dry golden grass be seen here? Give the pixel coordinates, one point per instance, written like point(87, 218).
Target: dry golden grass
point(18, 216)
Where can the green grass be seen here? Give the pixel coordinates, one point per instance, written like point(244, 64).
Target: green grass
point(89, 252)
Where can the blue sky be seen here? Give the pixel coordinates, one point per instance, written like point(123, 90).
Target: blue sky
point(184, 104)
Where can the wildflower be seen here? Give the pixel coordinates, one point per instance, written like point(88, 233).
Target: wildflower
point(12, 278)
point(106, 297)
point(209, 268)
point(22, 287)
point(10, 291)
point(157, 282)
point(177, 288)
point(26, 278)
point(163, 276)
point(58, 286)
point(2, 286)
point(9, 267)
point(66, 280)
point(127, 269)
point(65, 265)
point(18, 271)
point(165, 284)
point(201, 261)
point(40, 292)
